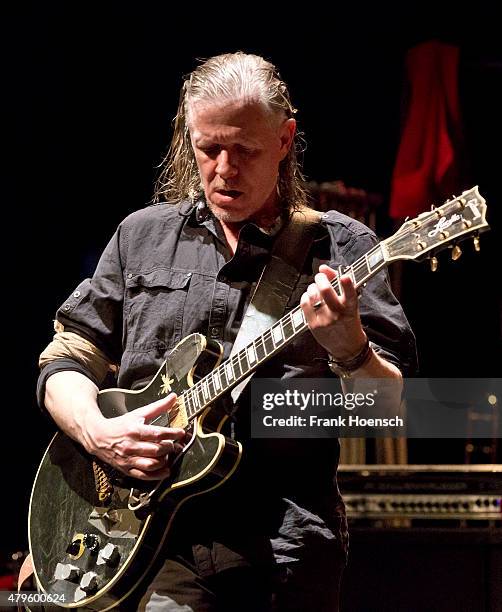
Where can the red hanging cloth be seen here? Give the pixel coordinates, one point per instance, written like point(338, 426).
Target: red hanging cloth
point(427, 168)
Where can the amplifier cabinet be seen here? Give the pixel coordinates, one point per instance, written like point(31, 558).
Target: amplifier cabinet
point(436, 492)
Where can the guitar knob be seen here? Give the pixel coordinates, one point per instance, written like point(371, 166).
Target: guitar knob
point(434, 263)
point(89, 582)
point(477, 246)
point(66, 571)
point(91, 541)
point(108, 555)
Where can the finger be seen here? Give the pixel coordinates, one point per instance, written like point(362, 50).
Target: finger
point(344, 298)
point(142, 475)
point(313, 294)
point(155, 409)
point(349, 292)
point(328, 295)
point(327, 287)
point(329, 272)
point(324, 286)
point(154, 433)
point(147, 449)
point(127, 450)
point(149, 464)
point(308, 309)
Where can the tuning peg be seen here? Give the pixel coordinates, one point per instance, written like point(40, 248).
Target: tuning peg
point(456, 252)
point(477, 246)
point(434, 263)
point(433, 207)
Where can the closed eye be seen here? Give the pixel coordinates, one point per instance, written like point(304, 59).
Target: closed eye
point(211, 151)
point(246, 150)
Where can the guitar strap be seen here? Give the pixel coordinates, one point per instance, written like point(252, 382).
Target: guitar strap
point(277, 281)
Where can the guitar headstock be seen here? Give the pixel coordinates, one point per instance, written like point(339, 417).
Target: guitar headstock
point(434, 230)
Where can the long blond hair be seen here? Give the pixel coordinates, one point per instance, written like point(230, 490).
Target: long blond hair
point(232, 76)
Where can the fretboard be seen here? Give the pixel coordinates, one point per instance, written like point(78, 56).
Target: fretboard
point(272, 341)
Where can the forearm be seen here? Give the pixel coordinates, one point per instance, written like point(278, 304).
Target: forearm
point(70, 398)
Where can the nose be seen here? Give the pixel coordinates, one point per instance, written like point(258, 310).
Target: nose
point(225, 165)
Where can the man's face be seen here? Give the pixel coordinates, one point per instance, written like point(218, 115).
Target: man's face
point(238, 147)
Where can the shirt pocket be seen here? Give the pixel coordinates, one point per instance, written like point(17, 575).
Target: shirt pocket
point(155, 301)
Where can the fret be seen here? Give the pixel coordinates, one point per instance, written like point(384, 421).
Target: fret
point(251, 354)
point(277, 334)
point(298, 318)
point(195, 400)
point(217, 381)
point(336, 286)
point(236, 366)
point(375, 258)
point(229, 371)
point(288, 327)
point(260, 348)
point(225, 383)
point(205, 390)
point(268, 343)
point(200, 395)
point(366, 261)
point(360, 272)
point(188, 403)
point(243, 362)
point(210, 386)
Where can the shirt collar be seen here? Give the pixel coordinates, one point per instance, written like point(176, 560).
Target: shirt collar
point(200, 214)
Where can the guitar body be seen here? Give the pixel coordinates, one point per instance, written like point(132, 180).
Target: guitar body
point(89, 524)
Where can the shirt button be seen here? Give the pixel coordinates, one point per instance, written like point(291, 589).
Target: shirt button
point(76, 294)
point(215, 332)
point(129, 275)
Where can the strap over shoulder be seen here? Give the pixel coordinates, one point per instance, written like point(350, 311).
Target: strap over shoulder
point(278, 280)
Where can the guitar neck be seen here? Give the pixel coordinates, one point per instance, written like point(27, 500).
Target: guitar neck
point(428, 233)
point(272, 341)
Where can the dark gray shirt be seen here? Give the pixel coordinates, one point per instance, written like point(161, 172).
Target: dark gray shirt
point(167, 272)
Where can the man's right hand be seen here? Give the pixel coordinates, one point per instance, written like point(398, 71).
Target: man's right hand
point(131, 444)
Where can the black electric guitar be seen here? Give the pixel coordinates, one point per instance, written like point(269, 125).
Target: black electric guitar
point(95, 533)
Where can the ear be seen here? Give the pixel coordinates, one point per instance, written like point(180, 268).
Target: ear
point(286, 134)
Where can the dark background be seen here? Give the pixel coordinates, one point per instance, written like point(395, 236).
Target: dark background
point(90, 98)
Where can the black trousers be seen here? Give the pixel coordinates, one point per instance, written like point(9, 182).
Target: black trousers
point(299, 586)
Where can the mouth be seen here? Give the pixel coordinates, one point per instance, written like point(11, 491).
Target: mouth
point(228, 195)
